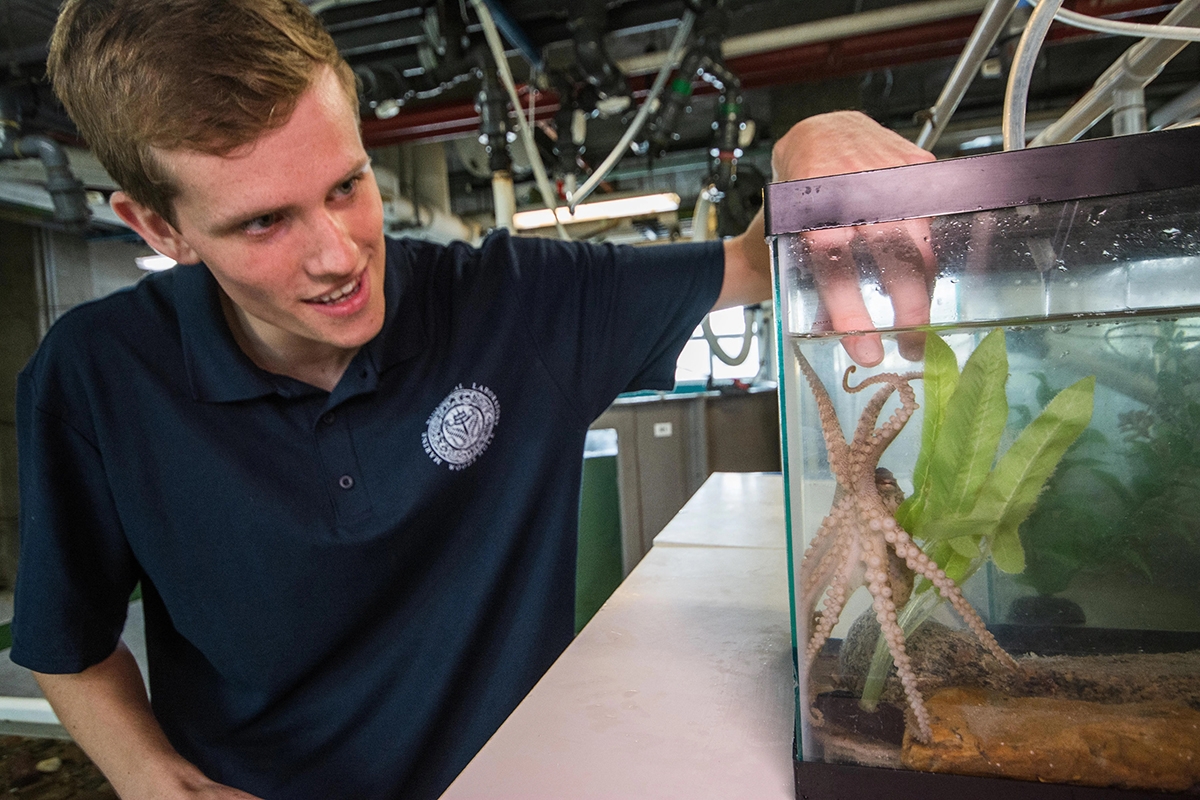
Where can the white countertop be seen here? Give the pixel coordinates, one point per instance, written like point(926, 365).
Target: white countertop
point(731, 509)
point(681, 685)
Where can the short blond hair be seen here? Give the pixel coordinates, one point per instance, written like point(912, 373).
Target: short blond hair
point(203, 75)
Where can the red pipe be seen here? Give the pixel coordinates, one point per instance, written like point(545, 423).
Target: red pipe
point(438, 122)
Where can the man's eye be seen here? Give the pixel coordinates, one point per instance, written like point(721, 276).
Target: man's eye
point(347, 187)
point(260, 224)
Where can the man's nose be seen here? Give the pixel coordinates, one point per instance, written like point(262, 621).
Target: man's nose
point(332, 249)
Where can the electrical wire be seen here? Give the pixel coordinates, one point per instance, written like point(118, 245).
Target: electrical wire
point(1120, 28)
point(660, 81)
point(1016, 96)
point(524, 128)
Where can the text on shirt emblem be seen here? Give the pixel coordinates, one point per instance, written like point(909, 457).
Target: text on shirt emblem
point(461, 427)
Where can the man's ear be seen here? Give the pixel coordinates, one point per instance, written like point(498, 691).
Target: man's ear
point(150, 225)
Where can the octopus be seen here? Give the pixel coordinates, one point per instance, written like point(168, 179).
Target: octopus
point(860, 543)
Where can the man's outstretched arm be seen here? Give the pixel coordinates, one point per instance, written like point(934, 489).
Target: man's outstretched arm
point(107, 712)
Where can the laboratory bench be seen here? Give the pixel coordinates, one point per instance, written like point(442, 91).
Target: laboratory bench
point(681, 685)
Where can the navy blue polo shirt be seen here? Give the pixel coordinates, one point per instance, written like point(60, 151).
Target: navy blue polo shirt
point(345, 593)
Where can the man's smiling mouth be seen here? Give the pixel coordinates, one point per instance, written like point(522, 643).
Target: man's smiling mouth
point(339, 294)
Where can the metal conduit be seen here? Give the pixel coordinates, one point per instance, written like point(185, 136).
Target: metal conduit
point(1139, 65)
point(1184, 107)
point(983, 38)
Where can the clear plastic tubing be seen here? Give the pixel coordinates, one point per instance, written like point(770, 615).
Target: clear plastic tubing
point(1119, 28)
point(1016, 97)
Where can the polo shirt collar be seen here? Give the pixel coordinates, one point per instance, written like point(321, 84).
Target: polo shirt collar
point(219, 372)
point(403, 334)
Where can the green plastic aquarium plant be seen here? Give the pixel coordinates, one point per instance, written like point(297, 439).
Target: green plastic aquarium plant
point(1079, 523)
point(966, 506)
point(1128, 509)
point(1163, 455)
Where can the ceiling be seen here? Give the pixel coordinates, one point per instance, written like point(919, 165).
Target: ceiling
point(422, 61)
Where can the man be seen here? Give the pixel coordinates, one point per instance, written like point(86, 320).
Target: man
point(344, 470)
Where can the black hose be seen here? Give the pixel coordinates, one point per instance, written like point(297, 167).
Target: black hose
point(66, 191)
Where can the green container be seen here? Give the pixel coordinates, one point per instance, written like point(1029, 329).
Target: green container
point(598, 563)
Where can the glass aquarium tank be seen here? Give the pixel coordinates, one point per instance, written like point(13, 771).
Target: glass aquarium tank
point(990, 396)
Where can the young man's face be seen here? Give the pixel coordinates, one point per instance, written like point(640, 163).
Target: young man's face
point(291, 227)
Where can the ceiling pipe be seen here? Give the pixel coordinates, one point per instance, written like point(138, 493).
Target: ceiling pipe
point(66, 191)
point(813, 59)
point(1138, 66)
point(1129, 109)
point(513, 33)
point(991, 24)
point(451, 120)
point(1184, 107)
point(825, 30)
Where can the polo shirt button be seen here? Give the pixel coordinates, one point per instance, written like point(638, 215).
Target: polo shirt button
point(329, 418)
point(346, 482)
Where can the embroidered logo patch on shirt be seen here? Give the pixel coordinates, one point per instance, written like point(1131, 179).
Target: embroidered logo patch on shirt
point(461, 427)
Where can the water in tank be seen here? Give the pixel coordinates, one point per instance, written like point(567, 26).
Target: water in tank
point(994, 532)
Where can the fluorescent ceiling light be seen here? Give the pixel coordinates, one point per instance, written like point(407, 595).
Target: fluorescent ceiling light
point(154, 263)
point(600, 209)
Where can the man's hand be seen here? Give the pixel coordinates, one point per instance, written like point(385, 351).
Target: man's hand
point(847, 141)
point(839, 142)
